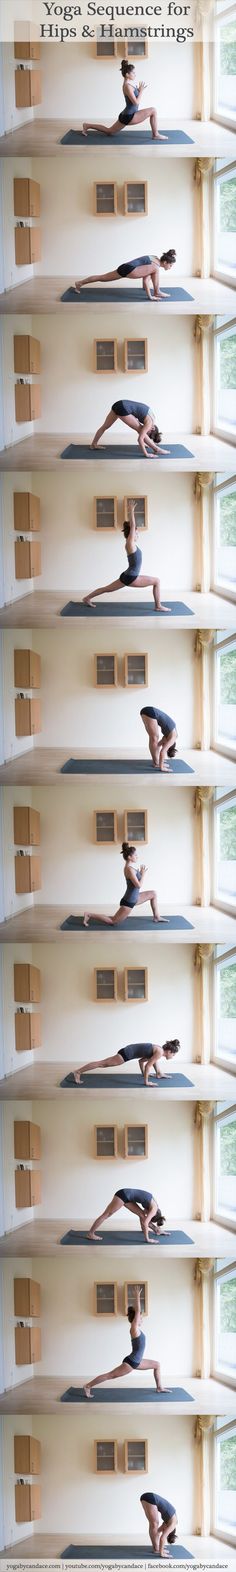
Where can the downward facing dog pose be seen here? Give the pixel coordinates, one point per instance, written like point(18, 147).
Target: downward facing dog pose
point(147, 268)
point(133, 1360)
point(132, 575)
point(134, 895)
point(132, 114)
point(141, 419)
point(149, 1055)
point(162, 1521)
point(162, 734)
point(145, 1207)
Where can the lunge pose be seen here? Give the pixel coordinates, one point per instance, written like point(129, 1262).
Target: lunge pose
point(134, 895)
point(133, 1360)
point(131, 114)
point(162, 734)
point(142, 1203)
point(132, 575)
point(141, 419)
point(147, 268)
point(150, 1057)
point(162, 1521)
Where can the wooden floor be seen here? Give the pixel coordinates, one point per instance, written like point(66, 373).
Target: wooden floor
point(42, 1237)
point(42, 137)
point(43, 1080)
point(41, 1395)
point(43, 451)
point(50, 1546)
point(41, 609)
point(41, 294)
point(40, 923)
point(42, 767)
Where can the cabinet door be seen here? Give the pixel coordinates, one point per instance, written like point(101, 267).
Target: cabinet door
point(26, 354)
point(27, 874)
point(26, 199)
point(28, 1032)
point(27, 983)
point(26, 826)
point(27, 1455)
point(27, 1302)
point(27, 512)
point(27, 1140)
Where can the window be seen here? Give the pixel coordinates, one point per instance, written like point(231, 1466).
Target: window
point(224, 1470)
point(224, 192)
point(224, 837)
point(224, 1126)
point(225, 64)
point(224, 378)
point(224, 696)
point(224, 536)
point(224, 1316)
point(225, 1007)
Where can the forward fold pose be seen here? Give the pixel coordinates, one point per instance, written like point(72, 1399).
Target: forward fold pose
point(144, 1206)
point(162, 734)
point(141, 419)
point(162, 1520)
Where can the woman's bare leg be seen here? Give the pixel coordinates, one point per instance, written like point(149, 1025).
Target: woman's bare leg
point(97, 1064)
point(114, 1206)
point(153, 1364)
point(110, 421)
point(146, 1065)
point(95, 278)
point(106, 589)
point(144, 581)
point(112, 922)
point(105, 130)
point(148, 114)
point(151, 895)
point(109, 1375)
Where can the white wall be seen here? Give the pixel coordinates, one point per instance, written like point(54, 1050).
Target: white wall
point(12, 117)
point(68, 1476)
point(77, 85)
point(13, 745)
point(75, 555)
point(77, 1343)
point(75, 399)
point(76, 1185)
point(74, 1027)
point(74, 238)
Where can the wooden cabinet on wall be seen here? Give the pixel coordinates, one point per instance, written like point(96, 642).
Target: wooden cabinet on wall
point(105, 827)
point(106, 198)
point(27, 1455)
point(26, 826)
point(27, 867)
point(28, 88)
point(136, 671)
point(136, 1457)
point(106, 671)
point(27, 1503)
point(27, 1303)
point(27, 559)
point(28, 1349)
point(106, 1461)
point(28, 1031)
point(106, 985)
point(27, 983)
point(136, 1140)
point(136, 983)
point(27, 48)
point(106, 1140)
point(27, 1188)
point(27, 1140)
point(27, 512)
point(27, 245)
point(26, 355)
point(105, 513)
point(27, 669)
point(105, 355)
point(26, 198)
point(141, 511)
point(28, 719)
point(129, 1296)
point(27, 874)
point(27, 402)
point(106, 1299)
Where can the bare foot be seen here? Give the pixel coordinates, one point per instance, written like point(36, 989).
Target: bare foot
point(87, 601)
point(94, 1236)
point(86, 920)
point(87, 1391)
point(84, 128)
point(77, 1077)
point(159, 138)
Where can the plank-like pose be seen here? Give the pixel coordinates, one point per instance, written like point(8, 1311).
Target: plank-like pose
point(141, 419)
point(135, 1359)
point(150, 1057)
point(162, 734)
point(131, 114)
point(132, 575)
point(147, 268)
point(142, 1203)
point(162, 1521)
point(134, 895)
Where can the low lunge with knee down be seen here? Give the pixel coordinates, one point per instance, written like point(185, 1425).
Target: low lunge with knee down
point(131, 114)
point(134, 894)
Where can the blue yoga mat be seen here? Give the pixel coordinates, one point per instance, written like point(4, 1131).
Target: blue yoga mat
point(116, 451)
point(121, 1553)
point(78, 1236)
point(120, 767)
point(110, 1082)
point(128, 1394)
point(106, 608)
point(123, 139)
point(113, 295)
point(132, 925)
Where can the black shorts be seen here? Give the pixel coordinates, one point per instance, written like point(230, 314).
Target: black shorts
point(126, 116)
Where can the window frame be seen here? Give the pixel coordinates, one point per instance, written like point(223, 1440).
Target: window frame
point(218, 174)
point(219, 1116)
point(220, 1273)
point(221, 798)
point(221, 957)
point(220, 643)
point(221, 16)
point(220, 488)
point(222, 328)
point(221, 1427)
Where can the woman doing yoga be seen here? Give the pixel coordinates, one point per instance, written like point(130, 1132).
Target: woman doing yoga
point(162, 734)
point(144, 1206)
point(132, 575)
point(141, 419)
point(162, 1521)
point(131, 114)
point(134, 895)
point(133, 1360)
point(147, 268)
point(150, 1057)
